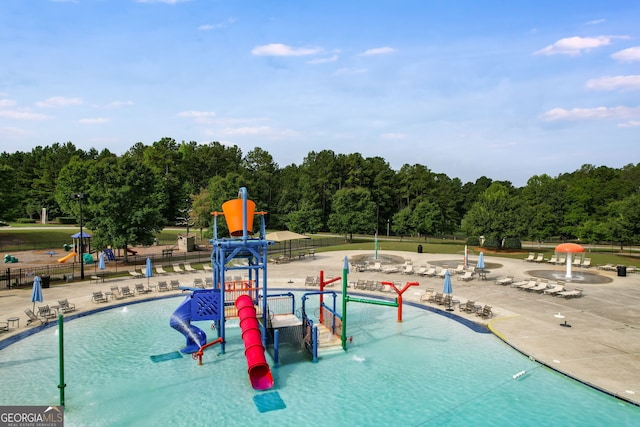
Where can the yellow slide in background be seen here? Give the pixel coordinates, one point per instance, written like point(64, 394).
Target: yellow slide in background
point(66, 257)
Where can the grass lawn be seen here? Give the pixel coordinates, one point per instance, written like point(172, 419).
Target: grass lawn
point(21, 237)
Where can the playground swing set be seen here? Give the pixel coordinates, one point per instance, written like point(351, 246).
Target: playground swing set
point(263, 318)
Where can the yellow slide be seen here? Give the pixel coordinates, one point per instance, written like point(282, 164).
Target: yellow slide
point(66, 257)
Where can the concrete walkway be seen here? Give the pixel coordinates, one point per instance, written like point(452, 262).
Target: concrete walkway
point(601, 348)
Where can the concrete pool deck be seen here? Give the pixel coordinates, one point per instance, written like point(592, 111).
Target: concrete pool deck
point(601, 348)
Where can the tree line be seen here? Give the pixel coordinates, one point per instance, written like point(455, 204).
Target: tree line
point(131, 197)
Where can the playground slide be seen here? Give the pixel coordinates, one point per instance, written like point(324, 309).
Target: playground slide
point(67, 257)
point(181, 322)
point(259, 372)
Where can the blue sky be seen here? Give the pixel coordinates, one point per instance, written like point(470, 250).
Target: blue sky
point(466, 88)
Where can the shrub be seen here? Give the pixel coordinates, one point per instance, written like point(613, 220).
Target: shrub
point(512, 243)
point(473, 241)
point(491, 242)
point(25, 221)
point(66, 220)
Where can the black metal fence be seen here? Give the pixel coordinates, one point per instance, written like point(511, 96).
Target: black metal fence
point(21, 277)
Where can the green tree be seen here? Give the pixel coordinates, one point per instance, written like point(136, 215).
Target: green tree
point(260, 177)
point(493, 215)
point(8, 195)
point(624, 220)
point(425, 217)
point(401, 224)
point(123, 200)
point(353, 212)
point(201, 209)
point(307, 219)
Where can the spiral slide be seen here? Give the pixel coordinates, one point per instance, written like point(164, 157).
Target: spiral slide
point(259, 372)
point(181, 322)
point(67, 257)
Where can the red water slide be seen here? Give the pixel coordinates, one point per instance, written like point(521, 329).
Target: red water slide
point(259, 372)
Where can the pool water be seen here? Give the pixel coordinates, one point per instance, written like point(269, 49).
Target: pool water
point(428, 370)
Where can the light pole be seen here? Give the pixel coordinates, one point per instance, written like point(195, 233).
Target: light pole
point(80, 196)
point(388, 223)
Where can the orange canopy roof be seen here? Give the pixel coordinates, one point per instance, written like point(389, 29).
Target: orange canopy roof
point(569, 247)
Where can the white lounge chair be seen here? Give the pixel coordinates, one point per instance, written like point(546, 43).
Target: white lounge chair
point(177, 269)
point(541, 286)
point(459, 269)
point(390, 269)
point(187, 267)
point(430, 272)
point(375, 267)
point(529, 284)
point(504, 280)
point(466, 276)
point(408, 269)
point(420, 271)
point(586, 263)
point(531, 257)
point(160, 270)
point(554, 290)
point(539, 258)
point(577, 292)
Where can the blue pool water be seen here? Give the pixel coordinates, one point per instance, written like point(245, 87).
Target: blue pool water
point(428, 370)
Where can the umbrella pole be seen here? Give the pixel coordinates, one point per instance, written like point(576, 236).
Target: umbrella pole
point(62, 385)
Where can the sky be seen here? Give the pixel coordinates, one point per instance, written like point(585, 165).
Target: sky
point(506, 90)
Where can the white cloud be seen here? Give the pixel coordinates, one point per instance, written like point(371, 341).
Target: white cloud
point(209, 27)
point(574, 46)
point(118, 104)
point(378, 51)
point(620, 112)
point(13, 132)
point(631, 54)
point(630, 124)
point(615, 83)
point(94, 120)
point(199, 116)
point(263, 131)
point(394, 136)
point(350, 71)
point(596, 21)
point(279, 49)
point(23, 115)
point(58, 101)
point(333, 58)
point(7, 103)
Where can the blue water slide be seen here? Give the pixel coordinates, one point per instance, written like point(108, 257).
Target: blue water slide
point(181, 322)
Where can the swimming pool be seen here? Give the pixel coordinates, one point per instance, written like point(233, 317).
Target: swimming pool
point(428, 370)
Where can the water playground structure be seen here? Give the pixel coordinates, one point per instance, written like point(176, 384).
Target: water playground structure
point(266, 321)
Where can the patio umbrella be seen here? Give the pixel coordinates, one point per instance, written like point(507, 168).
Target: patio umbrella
point(447, 289)
point(480, 263)
point(36, 293)
point(149, 270)
point(101, 264)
